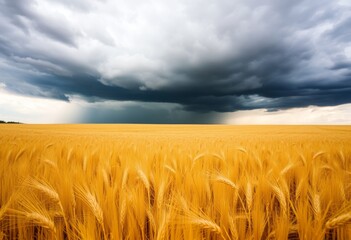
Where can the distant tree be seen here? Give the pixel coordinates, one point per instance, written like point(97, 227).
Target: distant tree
point(10, 122)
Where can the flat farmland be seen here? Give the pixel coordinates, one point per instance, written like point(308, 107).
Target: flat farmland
point(175, 182)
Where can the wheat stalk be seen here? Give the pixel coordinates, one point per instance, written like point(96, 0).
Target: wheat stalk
point(125, 179)
point(249, 196)
point(172, 170)
point(280, 195)
point(43, 187)
point(89, 199)
point(122, 212)
point(95, 207)
point(33, 218)
point(299, 187)
point(198, 157)
point(227, 181)
point(160, 195)
point(342, 157)
point(316, 205)
point(339, 221)
point(315, 156)
point(51, 163)
point(303, 159)
point(84, 163)
point(5, 206)
point(143, 178)
point(286, 168)
point(161, 233)
point(151, 219)
point(208, 225)
point(43, 221)
point(20, 154)
point(241, 149)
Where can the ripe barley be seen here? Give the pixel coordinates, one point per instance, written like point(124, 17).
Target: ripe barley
point(44, 188)
point(143, 178)
point(90, 200)
point(41, 220)
point(224, 180)
point(160, 195)
point(339, 221)
point(174, 182)
point(249, 195)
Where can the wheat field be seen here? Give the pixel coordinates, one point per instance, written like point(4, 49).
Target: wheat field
point(175, 182)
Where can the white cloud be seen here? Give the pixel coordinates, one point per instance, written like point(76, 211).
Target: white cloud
point(340, 114)
point(24, 109)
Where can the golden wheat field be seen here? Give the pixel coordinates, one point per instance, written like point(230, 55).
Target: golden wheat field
point(175, 182)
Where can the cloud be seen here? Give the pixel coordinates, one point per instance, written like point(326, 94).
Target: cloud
point(36, 18)
point(218, 56)
point(35, 110)
point(38, 110)
point(310, 115)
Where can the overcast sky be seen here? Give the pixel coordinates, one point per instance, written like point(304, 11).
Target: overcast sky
point(175, 61)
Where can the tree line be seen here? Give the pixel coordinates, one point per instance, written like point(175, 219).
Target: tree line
point(9, 122)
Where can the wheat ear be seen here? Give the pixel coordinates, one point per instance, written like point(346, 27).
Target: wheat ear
point(143, 178)
point(339, 221)
point(208, 225)
point(90, 200)
point(226, 181)
point(41, 220)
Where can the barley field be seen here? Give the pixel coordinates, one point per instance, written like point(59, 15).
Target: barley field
point(175, 182)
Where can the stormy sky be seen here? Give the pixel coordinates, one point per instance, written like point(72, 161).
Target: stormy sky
point(175, 61)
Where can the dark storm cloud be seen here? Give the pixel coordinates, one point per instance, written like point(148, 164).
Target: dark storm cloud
point(222, 56)
point(23, 15)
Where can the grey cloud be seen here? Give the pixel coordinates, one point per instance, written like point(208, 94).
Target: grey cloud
point(342, 65)
point(56, 30)
point(219, 57)
point(341, 31)
point(24, 15)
